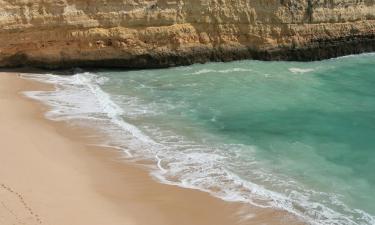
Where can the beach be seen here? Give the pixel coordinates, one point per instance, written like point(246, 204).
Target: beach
point(49, 175)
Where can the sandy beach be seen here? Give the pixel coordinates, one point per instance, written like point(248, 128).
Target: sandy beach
point(49, 175)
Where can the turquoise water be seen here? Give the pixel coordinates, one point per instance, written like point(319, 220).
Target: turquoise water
point(298, 136)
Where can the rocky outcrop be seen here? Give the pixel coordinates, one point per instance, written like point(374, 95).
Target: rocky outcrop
point(160, 33)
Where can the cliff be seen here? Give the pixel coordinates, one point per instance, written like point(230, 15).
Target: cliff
point(160, 33)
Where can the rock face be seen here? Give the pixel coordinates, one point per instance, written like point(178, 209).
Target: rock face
point(160, 33)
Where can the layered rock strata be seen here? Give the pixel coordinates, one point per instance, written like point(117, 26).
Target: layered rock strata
point(161, 33)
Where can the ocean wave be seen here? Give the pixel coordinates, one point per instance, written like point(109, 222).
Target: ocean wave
point(204, 71)
point(300, 70)
point(220, 169)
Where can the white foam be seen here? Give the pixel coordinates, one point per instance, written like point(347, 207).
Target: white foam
point(183, 162)
point(352, 56)
point(233, 70)
point(80, 96)
point(300, 70)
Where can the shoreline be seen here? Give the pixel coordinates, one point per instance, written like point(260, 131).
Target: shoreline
point(50, 175)
point(71, 70)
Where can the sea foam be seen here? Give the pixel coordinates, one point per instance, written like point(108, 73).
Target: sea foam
point(232, 70)
point(300, 70)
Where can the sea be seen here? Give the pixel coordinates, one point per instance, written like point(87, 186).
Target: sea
point(295, 136)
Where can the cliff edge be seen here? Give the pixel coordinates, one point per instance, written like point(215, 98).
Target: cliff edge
point(161, 33)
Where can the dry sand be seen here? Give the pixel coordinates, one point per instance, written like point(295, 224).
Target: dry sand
point(48, 175)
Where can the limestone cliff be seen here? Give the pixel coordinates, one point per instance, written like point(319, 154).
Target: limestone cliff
point(159, 33)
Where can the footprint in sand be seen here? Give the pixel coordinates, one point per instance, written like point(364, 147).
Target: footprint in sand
point(14, 210)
